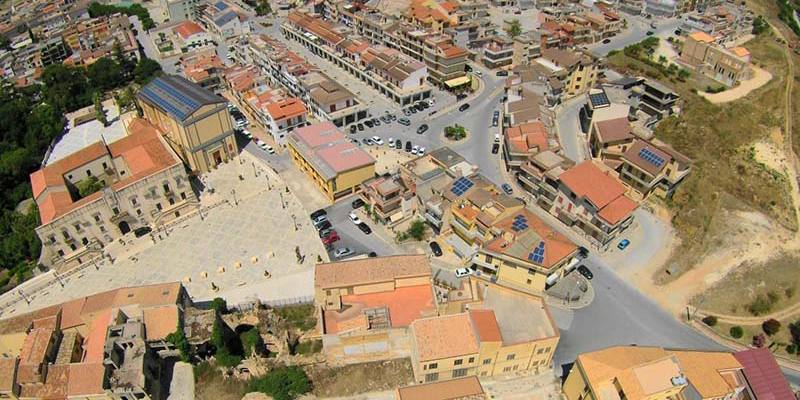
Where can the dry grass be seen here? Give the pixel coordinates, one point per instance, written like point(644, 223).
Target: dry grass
point(718, 138)
point(776, 343)
point(360, 378)
point(210, 385)
point(778, 278)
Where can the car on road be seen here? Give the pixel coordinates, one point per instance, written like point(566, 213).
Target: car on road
point(422, 128)
point(326, 232)
point(353, 217)
point(495, 148)
point(435, 249)
point(462, 272)
point(624, 243)
point(360, 127)
point(463, 107)
point(390, 143)
point(606, 41)
point(357, 203)
point(461, 96)
point(364, 228)
point(324, 225)
point(507, 189)
point(398, 144)
point(377, 140)
point(141, 231)
point(649, 33)
point(317, 213)
point(583, 270)
point(408, 146)
point(502, 73)
point(369, 123)
point(353, 129)
point(404, 121)
point(331, 239)
point(653, 25)
point(478, 73)
point(342, 252)
point(421, 151)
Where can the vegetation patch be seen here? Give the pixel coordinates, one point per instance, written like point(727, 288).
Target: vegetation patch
point(97, 10)
point(300, 317)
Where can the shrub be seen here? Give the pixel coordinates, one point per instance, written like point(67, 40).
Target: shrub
point(251, 342)
point(736, 332)
point(455, 132)
point(282, 384)
point(794, 330)
point(759, 340)
point(89, 185)
point(771, 326)
point(791, 348)
point(219, 305)
point(178, 339)
point(226, 359)
point(417, 230)
point(710, 320)
point(789, 292)
point(761, 305)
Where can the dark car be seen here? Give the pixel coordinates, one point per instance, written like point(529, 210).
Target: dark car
point(461, 96)
point(436, 249)
point(372, 254)
point(364, 228)
point(360, 127)
point(464, 107)
point(139, 232)
point(606, 41)
point(408, 146)
point(583, 252)
point(502, 73)
point(495, 148)
point(377, 122)
point(353, 129)
point(585, 272)
point(398, 144)
point(369, 123)
point(325, 225)
point(422, 128)
point(507, 188)
point(649, 33)
point(357, 203)
point(317, 213)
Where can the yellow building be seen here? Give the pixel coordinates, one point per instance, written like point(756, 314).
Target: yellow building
point(336, 166)
point(503, 331)
point(577, 71)
point(195, 121)
point(654, 373)
point(728, 66)
point(474, 213)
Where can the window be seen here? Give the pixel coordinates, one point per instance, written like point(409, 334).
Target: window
point(138, 211)
point(487, 361)
point(85, 241)
point(506, 369)
point(177, 214)
point(433, 365)
point(65, 234)
point(102, 228)
point(471, 360)
point(105, 166)
point(133, 201)
point(183, 195)
point(432, 377)
point(88, 172)
point(458, 362)
point(458, 373)
point(115, 210)
point(171, 201)
point(515, 367)
point(158, 206)
point(166, 188)
point(97, 218)
point(540, 351)
point(528, 282)
point(73, 247)
point(61, 253)
point(511, 357)
point(52, 239)
point(77, 226)
point(489, 259)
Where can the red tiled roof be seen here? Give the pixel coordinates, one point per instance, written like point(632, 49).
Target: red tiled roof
point(528, 136)
point(405, 305)
point(764, 375)
point(485, 324)
point(613, 130)
point(619, 209)
point(96, 338)
point(187, 29)
point(287, 108)
point(345, 156)
point(587, 180)
point(86, 379)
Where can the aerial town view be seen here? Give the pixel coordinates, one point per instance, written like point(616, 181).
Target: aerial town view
point(400, 199)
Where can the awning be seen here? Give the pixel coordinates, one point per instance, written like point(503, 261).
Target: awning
point(462, 80)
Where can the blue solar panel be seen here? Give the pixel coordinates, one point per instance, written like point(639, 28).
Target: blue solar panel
point(461, 185)
point(220, 5)
point(599, 99)
point(651, 157)
point(537, 255)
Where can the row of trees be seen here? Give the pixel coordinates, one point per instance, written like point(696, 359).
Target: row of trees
point(96, 10)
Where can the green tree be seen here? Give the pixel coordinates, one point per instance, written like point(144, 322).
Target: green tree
point(99, 112)
point(282, 383)
point(684, 74)
point(105, 74)
point(771, 326)
point(219, 305)
point(178, 339)
point(126, 64)
point(146, 70)
point(662, 59)
point(736, 332)
point(263, 8)
point(455, 132)
point(514, 28)
point(251, 342)
point(89, 185)
point(66, 88)
point(126, 99)
point(417, 230)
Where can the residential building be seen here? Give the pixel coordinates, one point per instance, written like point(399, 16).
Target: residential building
point(90, 39)
point(203, 68)
point(181, 10)
point(144, 184)
point(653, 167)
point(195, 121)
point(446, 61)
point(662, 8)
point(389, 201)
point(106, 345)
point(524, 140)
point(502, 331)
point(468, 388)
point(53, 51)
point(225, 20)
point(726, 22)
point(525, 253)
point(587, 196)
point(191, 35)
point(386, 71)
point(498, 52)
point(703, 55)
point(336, 166)
point(763, 374)
point(475, 210)
point(609, 139)
point(575, 70)
point(633, 7)
point(283, 116)
point(656, 100)
point(331, 101)
point(641, 372)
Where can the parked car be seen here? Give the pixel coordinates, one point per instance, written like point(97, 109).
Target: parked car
point(353, 217)
point(357, 203)
point(606, 41)
point(408, 146)
point(462, 272)
point(421, 151)
point(353, 129)
point(369, 123)
point(463, 107)
point(435, 249)
point(422, 128)
point(404, 121)
point(368, 141)
point(324, 225)
point(319, 219)
point(372, 254)
point(377, 140)
point(502, 73)
point(495, 148)
point(623, 244)
point(342, 252)
point(326, 232)
point(583, 270)
point(330, 239)
point(507, 189)
point(497, 138)
point(649, 33)
point(390, 143)
point(360, 127)
point(398, 144)
point(377, 122)
point(461, 96)
point(407, 112)
point(478, 73)
point(317, 213)
point(583, 252)
point(141, 231)
point(415, 150)
point(364, 228)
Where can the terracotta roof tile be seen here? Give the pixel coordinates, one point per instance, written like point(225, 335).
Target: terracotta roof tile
point(614, 130)
point(462, 388)
point(160, 321)
point(86, 379)
point(444, 337)
point(588, 180)
point(763, 374)
point(485, 324)
point(370, 270)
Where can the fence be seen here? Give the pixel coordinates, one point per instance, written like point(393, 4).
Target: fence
point(253, 304)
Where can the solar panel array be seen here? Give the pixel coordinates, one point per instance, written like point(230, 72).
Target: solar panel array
point(461, 185)
point(651, 157)
point(599, 99)
point(537, 255)
point(174, 97)
point(520, 223)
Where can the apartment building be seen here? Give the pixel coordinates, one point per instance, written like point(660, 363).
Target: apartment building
point(498, 52)
point(587, 197)
point(331, 101)
point(446, 62)
point(726, 22)
point(195, 121)
point(703, 55)
point(190, 35)
point(524, 140)
point(474, 211)
point(203, 68)
point(143, 183)
point(577, 71)
point(181, 10)
point(103, 346)
point(501, 331)
point(391, 74)
point(389, 201)
point(90, 39)
point(653, 167)
point(225, 20)
point(640, 372)
point(468, 388)
point(336, 166)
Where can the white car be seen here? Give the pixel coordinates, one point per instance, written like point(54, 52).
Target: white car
point(354, 218)
point(478, 73)
point(269, 149)
point(377, 140)
point(497, 138)
point(462, 272)
point(391, 143)
point(247, 133)
point(421, 151)
point(415, 150)
point(261, 144)
point(342, 252)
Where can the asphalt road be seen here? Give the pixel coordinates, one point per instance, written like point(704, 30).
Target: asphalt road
point(636, 32)
point(569, 132)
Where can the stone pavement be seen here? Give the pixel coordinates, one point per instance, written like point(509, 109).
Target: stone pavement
point(543, 386)
point(224, 251)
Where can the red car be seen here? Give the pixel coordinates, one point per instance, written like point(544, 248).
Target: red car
point(332, 238)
